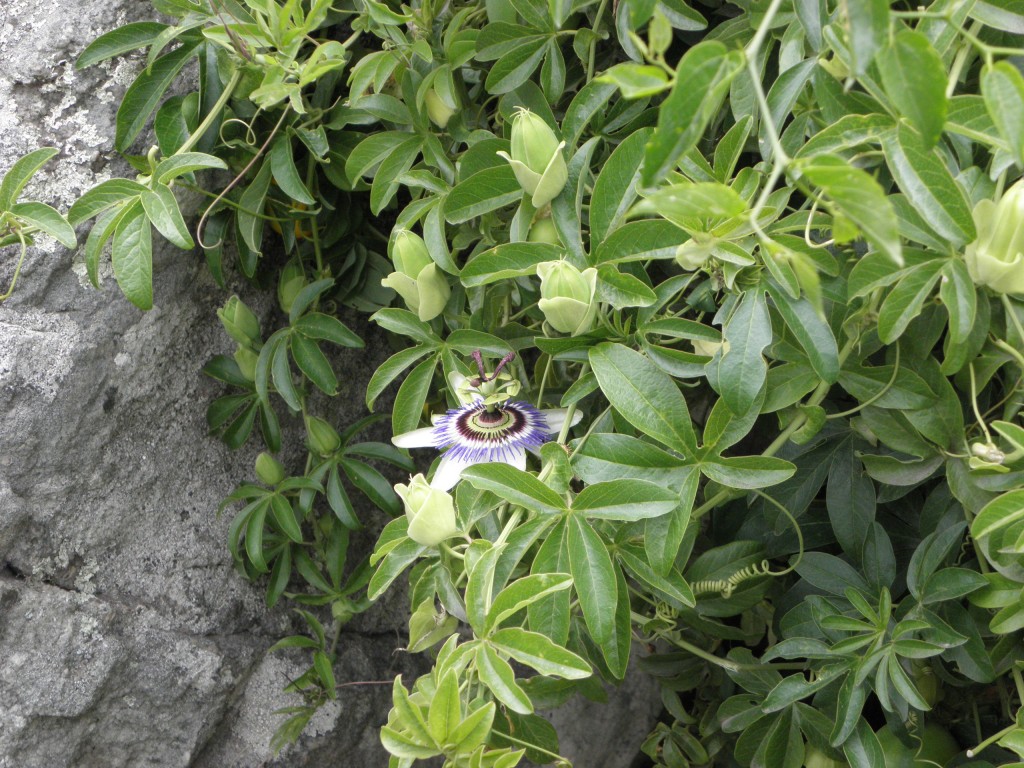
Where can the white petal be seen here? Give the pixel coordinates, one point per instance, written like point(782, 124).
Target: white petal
point(449, 471)
point(517, 459)
point(555, 418)
point(418, 438)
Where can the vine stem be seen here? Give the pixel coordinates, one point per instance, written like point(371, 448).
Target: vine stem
point(204, 126)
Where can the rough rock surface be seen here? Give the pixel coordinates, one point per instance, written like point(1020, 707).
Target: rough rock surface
point(126, 639)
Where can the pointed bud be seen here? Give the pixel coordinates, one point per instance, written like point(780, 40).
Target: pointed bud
point(544, 231)
point(996, 258)
point(417, 280)
point(240, 323)
point(536, 158)
point(568, 296)
point(246, 360)
point(292, 280)
point(269, 470)
point(431, 512)
point(323, 438)
point(438, 110)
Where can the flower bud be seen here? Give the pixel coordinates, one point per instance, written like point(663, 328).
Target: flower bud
point(568, 296)
point(438, 110)
point(240, 323)
point(323, 438)
point(709, 348)
point(431, 512)
point(988, 453)
point(246, 360)
point(268, 469)
point(693, 254)
point(536, 158)
point(417, 280)
point(292, 280)
point(996, 258)
point(544, 231)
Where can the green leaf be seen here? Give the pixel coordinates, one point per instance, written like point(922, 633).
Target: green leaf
point(813, 333)
point(251, 204)
point(621, 289)
point(515, 67)
point(284, 516)
point(615, 188)
point(747, 472)
point(868, 22)
point(594, 577)
point(702, 80)
point(390, 370)
point(959, 296)
point(102, 197)
point(163, 213)
point(474, 730)
point(515, 486)
point(522, 593)
point(411, 397)
point(742, 370)
point(644, 395)
point(132, 256)
point(688, 205)
point(636, 80)
point(915, 79)
point(317, 325)
point(313, 363)
point(485, 191)
point(20, 173)
point(187, 162)
point(536, 651)
point(605, 457)
point(48, 220)
point(639, 241)
point(497, 675)
point(1003, 89)
point(507, 260)
point(907, 299)
point(625, 500)
point(282, 165)
point(859, 197)
point(390, 568)
point(829, 573)
point(143, 95)
point(138, 34)
point(445, 713)
point(924, 178)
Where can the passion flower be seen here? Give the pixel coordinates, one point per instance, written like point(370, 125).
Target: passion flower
point(996, 258)
point(487, 427)
point(417, 279)
point(536, 158)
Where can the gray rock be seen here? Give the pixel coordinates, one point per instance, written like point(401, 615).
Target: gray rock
point(127, 638)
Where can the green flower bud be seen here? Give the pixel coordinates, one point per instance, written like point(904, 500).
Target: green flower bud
point(292, 280)
point(996, 258)
point(536, 158)
point(438, 110)
point(323, 438)
point(246, 360)
point(544, 231)
point(693, 254)
point(417, 280)
point(568, 296)
point(268, 469)
point(240, 323)
point(431, 512)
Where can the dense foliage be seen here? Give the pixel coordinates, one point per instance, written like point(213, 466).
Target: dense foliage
point(718, 310)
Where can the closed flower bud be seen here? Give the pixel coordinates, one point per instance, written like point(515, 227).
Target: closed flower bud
point(544, 231)
point(536, 158)
point(568, 296)
point(431, 512)
point(268, 469)
point(323, 438)
point(292, 280)
point(693, 254)
point(246, 360)
point(996, 258)
point(438, 110)
point(417, 279)
point(240, 323)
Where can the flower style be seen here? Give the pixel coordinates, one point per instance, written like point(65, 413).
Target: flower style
point(481, 430)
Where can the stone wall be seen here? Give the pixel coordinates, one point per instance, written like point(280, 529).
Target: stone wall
point(126, 639)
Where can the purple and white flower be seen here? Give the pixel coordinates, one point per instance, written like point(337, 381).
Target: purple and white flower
point(480, 431)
